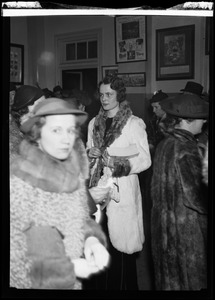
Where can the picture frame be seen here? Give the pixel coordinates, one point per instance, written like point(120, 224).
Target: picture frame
point(106, 70)
point(175, 53)
point(133, 79)
point(17, 64)
point(130, 39)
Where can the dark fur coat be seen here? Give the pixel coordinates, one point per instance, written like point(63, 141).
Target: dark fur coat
point(179, 215)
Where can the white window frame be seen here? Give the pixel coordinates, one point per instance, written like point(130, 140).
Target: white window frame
point(60, 49)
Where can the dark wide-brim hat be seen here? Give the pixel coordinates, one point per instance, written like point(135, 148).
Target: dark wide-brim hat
point(158, 97)
point(26, 95)
point(194, 88)
point(186, 106)
point(53, 106)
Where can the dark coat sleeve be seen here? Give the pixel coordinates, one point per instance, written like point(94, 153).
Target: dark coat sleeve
point(92, 228)
point(189, 168)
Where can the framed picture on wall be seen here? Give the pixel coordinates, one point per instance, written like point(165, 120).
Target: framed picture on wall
point(106, 70)
point(130, 38)
point(175, 53)
point(133, 79)
point(17, 64)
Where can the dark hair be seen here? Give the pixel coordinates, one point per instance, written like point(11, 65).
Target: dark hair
point(18, 114)
point(116, 84)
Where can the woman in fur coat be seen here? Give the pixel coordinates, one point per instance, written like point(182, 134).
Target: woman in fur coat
point(118, 150)
point(53, 240)
point(179, 212)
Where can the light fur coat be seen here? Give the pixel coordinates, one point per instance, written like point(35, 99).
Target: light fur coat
point(125, 218)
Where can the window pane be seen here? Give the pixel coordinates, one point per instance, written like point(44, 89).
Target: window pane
point(92, 49)
point(82, 50)
point(70, 51)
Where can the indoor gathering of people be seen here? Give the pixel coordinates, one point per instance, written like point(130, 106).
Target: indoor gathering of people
point(108, 133)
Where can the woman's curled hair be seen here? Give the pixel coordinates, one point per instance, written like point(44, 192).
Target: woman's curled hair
point(116, 84)
point(35, 133)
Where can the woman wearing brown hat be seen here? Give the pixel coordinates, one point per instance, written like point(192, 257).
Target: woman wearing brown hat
point(53, 240)
point(179, 212)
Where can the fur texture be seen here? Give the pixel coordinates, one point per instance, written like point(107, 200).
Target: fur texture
point(103, 141)
point(68, 212)
point(179, 215)
point(51, 268)
point(125, 218)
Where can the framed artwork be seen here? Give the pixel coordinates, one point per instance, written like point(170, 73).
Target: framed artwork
point(130, 38)
point(175, 53)
point(106, 70)
point(17, 64)
point(133, 79)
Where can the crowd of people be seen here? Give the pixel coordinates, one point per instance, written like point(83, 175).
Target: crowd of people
point(76, 191)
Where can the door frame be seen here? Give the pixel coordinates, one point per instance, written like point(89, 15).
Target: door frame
point(62, 65)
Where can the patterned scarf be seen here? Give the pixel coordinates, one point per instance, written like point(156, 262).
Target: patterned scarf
point(101, 141)
point(41, 170)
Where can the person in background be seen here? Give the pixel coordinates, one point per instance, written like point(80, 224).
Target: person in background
point(83, 98)
point(12, 94)
point(192, 88)
point(82, 101)
point(179, 212)
point(155, 127)
point(26, 97)
point(57, 92)
point(116, 128)
point(47, 93)
point(195, 88)
point(54, 242)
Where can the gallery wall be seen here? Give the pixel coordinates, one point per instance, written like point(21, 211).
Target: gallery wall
point(37, 34)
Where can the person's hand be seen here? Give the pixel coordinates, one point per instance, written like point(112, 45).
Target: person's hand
point(99, 194)
point(95, 253)
point(83, 269)
point(94, 152)
point(108, 160)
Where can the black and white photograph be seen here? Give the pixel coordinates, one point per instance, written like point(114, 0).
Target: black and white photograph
point(107, 137)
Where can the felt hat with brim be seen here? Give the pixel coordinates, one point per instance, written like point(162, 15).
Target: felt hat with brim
point(186, 106)
point(158, 97)
point(26, 95)
point(194, 88)
point(53, 106)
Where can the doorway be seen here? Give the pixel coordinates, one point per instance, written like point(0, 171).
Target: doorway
point(83, 79)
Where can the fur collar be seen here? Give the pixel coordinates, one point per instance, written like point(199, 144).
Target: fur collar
point(101, 141)
point(42, 171)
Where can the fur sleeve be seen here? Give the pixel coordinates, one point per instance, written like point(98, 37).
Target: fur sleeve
point(51, 268)
point(121, 167)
